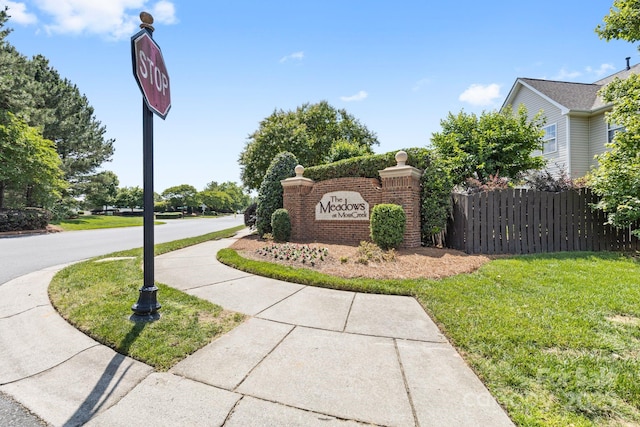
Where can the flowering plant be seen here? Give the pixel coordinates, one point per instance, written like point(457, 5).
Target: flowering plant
point(304, 254)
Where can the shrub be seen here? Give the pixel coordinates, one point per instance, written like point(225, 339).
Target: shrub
point(388, 222)
point(370, 252)
point(365, 166)
point(270, 192)
point(546, 181)
point(435, 210)
point(169, 215)
point(281, 225)
point(492, 183)
point(130, 213)
point(250, 215)
point(64, 208)
point(24, 219)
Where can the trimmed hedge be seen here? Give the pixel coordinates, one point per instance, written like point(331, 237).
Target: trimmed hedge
point(129, 213)
point(281, 225)
point(366, 166)
point(24, 219)
point(388, 222)
point(169, 215)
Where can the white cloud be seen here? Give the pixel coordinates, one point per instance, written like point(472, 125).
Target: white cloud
point(604, 69)
point(565, 75)
point(357, 97)
point(112, 18)
point(164, 12)
point(297, 56)
point(477, 94)
point(420, 84)
point(18, 12)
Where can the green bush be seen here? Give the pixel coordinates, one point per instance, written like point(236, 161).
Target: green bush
point(250, 215)
point(366, 166)
point(270, 193)
point(435, 210)
point(387, 225)
point(281, 225)
point(24, 219)
point(169, 215)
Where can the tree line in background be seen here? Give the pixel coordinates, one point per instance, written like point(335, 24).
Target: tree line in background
point(50, 140)
point(51, 146)
point(469, 147)
point(215, 198)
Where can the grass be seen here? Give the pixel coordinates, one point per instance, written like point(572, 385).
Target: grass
point(555, 337)
point(96, 297)
point(92, 222)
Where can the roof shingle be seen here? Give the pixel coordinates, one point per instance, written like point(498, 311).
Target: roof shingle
point(577, 96)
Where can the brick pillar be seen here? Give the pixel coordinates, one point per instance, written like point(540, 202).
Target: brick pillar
point(401, 186)
point(294, 194)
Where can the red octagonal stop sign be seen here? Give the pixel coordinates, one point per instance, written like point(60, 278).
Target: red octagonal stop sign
point(151, 73)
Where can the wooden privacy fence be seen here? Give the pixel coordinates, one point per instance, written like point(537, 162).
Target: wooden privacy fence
point(518, 221)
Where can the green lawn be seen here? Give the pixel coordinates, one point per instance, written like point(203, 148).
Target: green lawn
point(556, 337)
point(96, 297)
point(90, 222)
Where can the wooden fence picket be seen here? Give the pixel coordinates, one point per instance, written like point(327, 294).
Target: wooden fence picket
point(519, 221)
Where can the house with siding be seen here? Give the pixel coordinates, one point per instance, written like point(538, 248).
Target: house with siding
point(575, 127)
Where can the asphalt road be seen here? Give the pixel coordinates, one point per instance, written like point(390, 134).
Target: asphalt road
point(24, 254)
point(20, 255)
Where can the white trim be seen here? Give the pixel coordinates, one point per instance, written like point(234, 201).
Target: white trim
point(568, 132)
point(555, 125)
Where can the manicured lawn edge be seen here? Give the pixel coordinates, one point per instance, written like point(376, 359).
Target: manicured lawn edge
point(96, 298)
point(554, 337)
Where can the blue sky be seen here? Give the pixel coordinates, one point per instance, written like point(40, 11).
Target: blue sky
point(398, 66)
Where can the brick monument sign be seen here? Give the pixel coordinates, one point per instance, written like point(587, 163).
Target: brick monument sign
point(338, 210)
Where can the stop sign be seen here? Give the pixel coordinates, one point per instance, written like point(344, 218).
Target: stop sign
point(151, 73)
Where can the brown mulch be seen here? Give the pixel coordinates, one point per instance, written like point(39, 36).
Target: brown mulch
point(424, 262)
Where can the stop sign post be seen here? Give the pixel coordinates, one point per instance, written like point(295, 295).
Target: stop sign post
point(151, 75)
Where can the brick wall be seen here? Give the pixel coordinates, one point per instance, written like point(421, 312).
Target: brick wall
point(399, 185)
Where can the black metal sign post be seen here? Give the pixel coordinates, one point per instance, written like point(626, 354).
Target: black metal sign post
point(147, 306)
point(151, 75)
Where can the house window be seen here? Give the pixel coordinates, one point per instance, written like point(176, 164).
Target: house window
point(611, 131)
point(549, 139)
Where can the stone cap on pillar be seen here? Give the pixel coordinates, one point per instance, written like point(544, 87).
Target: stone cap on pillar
point(297, 180)
point(401, 169)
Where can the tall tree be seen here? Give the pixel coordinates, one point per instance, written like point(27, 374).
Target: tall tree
point(496, 143)
point(617, 178)
point(181, 196)
point(622, 22)
point(130, 197)
point(101, 189)
point(15, 84)
point(34, 91)
point(29, 163)
point(68, 119)
point(239, 199)
point(310, 132)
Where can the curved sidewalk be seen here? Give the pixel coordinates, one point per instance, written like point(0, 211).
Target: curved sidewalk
point(306, 357)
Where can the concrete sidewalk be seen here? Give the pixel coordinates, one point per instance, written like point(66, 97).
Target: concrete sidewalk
point(306, 357)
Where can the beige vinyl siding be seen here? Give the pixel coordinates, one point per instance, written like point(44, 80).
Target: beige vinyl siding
point(581, 159)
point(598, 137)
point(534, 104)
